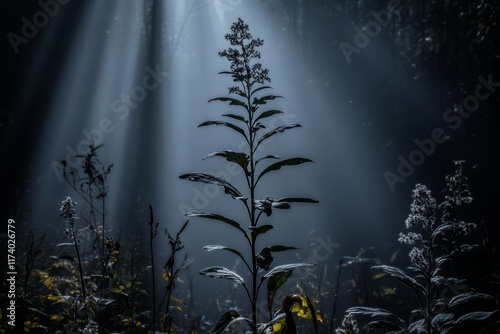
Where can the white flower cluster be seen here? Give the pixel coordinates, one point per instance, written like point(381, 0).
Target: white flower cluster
point(67, 209)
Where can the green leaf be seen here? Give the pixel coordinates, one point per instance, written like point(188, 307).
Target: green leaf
point(267, 157)
point(260, 88)
point(416, 326)
point(472, 299)
point(280, 205)
point(477, 322)
point(401, 276)
point(310, 313)
point(273, 284)
point(290, 304)
point(67, 257)
point(268, 113)
point(237, 117)
point(207, 178)
point(478, 318)
point(221, 272)
point(279, 129)
point(240, 158)
point(296, 200)
point(258, 126)
point(263, 99)
point(210, 248)
point(219, 218)
point(229, 125)
point(376, 312)
point(260, 229)
point(287, 267)
point(224, 321)
point(232, 101)
point(267, 204)
point(280, 248)
point(279, 164)
point(264, 259)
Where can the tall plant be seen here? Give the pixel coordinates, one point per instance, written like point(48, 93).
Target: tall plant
point(436, 242)
point(90, 185)
point(249, 103)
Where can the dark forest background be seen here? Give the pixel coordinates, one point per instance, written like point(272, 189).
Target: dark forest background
point(435, 51)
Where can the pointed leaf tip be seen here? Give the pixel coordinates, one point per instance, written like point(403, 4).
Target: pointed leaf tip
point(218, 217)
point(207, 178)
point(279, 129)
point(222, 272)
point(232, 101)
point(227, 124)
point(240, 158)
point(283, 163)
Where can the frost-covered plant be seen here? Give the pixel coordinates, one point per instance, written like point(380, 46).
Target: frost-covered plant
point(89, 181)
point(171, 274)
point(350, 325)
point(435, 243)
point(249, 122)
point(91, 186)
point(68, 212)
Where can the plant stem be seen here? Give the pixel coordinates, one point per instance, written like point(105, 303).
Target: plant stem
point(430, 265)
point(169, 294)
point(336, 296)
point(151, 236)
point(253, 222)
point(80, 269)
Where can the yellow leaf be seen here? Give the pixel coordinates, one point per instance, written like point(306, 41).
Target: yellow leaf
point(320, 317)
point(389, 291)
point(300, 307)
point(116, 289)
point(55, 298)
point(277, 326)
point(29, 325)
point(379, 275)
point(177, 300)
point(128, 322)
point(42, 273)
point(56, 317)
point(48, 282)
point(167, 277)
point(394, 256)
